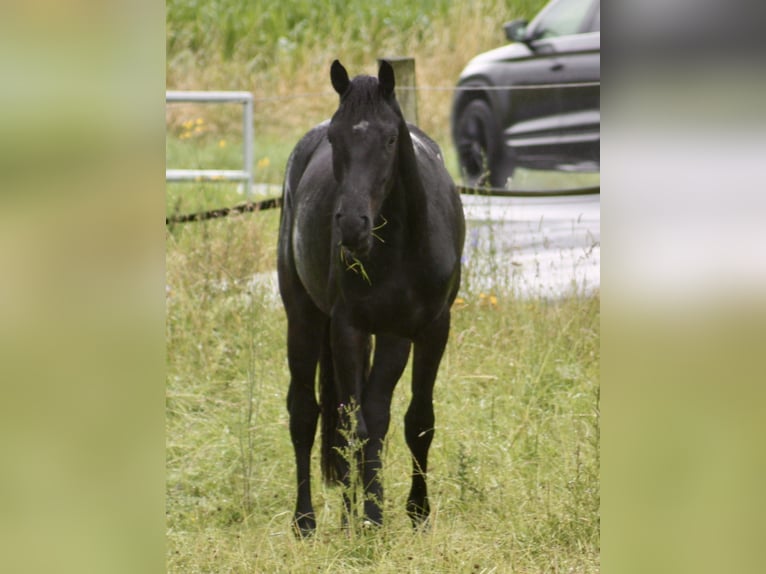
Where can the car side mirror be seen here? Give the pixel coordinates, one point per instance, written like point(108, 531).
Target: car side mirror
point(516, 30)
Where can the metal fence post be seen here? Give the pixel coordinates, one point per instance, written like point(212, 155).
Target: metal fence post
point(244, 175)
point(406, 94)
point(247, 147)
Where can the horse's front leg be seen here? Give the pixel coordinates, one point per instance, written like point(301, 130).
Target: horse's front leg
point(419, 420)
point(351, 360)
point(391, 354)
point(303, 348)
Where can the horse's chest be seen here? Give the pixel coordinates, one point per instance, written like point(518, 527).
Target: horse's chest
point(396, 308)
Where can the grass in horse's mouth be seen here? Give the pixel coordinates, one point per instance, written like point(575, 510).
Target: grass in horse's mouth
point(353, 263)
point(381, 226)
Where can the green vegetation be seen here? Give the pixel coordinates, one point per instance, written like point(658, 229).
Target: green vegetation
point(265, 35)
point(514, 475)
point(281, 51)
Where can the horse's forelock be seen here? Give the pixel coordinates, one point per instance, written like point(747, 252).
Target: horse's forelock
point(364, 96)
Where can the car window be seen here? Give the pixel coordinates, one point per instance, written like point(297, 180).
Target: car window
point(563, 18)
point(596, 25)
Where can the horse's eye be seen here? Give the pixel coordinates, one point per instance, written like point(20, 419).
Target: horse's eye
point(391, 141)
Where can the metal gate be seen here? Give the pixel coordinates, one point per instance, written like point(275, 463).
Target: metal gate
point(244, 175)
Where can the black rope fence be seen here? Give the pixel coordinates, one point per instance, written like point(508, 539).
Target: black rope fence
point(274, 202)
point(502, 192)
point(248, 207)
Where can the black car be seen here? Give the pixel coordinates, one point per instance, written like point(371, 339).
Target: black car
point(534, 103)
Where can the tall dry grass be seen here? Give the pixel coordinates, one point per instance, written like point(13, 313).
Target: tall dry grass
point(286, 63)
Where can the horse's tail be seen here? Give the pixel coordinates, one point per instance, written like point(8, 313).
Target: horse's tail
point(328, 397)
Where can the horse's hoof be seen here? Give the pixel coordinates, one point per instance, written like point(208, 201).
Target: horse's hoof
point(418, 514)
point(304, 525)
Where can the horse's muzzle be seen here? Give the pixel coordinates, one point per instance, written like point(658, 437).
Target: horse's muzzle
point(355, 232)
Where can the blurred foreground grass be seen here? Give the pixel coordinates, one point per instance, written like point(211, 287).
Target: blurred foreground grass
point(81, 267)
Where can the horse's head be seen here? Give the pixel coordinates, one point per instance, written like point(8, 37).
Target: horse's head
point(364, 135)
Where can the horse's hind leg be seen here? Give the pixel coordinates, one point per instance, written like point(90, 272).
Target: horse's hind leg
point(303, 348)
point(391, 354)
point(419, 420)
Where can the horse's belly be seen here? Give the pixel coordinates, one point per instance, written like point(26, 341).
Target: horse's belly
point(311, 249)
point(401, 311)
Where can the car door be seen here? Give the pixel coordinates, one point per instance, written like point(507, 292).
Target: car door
point(578, 71)
point(569, 55)
point(533, 107)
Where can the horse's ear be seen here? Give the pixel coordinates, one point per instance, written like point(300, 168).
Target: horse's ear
point(386, 79)
point(339, 77)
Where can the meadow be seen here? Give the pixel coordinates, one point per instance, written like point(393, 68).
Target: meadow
point(515, 460)
point(514, 466)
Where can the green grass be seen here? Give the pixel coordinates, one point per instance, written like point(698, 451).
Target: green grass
point(264, 34)
point(514, 472)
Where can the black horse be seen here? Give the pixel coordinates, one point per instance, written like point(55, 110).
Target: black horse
point(370, 243)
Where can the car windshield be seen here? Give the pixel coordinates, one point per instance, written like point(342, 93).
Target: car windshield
point(563, 18)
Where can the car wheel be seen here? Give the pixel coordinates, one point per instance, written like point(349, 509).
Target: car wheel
point(479, 147)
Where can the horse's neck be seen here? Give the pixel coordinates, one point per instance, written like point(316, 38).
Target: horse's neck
point(411, 186)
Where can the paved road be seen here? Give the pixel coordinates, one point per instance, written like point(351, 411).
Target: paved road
point(546, 246)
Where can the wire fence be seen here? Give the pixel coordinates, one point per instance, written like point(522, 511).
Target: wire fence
point(483, 88)
point(275, 202)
